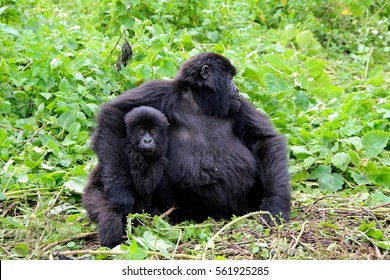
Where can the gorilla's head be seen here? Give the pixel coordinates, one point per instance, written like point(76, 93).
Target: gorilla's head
point(210, 77)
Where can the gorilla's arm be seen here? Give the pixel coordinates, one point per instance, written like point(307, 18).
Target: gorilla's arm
point(269, 149)
point(110, 134)
point(107, 142)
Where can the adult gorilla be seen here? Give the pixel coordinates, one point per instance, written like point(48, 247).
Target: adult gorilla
point(224, 157)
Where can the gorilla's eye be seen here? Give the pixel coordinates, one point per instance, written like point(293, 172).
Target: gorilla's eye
point(153, 131)
point(140, 131)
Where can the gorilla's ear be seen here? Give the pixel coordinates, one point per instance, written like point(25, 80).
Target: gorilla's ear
point(205, 72)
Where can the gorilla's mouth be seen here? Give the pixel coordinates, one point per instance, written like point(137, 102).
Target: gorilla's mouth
point(147, 152)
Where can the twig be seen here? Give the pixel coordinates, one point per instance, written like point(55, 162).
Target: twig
point(9, 208)
point(177, 244)
point(5, 250)
point(209, 243)
point(380, 9)
point(54, 202)
point(36, 247)
point(168, 212)
point(80, 236)
point(120, 37)
point(363, 210)
point(307, 246)
point(179, 256)
point(118, 253)
point(36, 132)
point(387, 204)
point(323, 198)
point(367, 64)
point(26, 66)
point(299, 235)
point(88, 252)
point(352, 211)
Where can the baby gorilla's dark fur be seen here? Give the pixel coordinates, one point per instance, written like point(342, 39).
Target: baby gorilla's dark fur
point(144, 153)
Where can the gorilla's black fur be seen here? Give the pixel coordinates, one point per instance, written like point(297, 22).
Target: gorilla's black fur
point(112, 194)
point(224, 156)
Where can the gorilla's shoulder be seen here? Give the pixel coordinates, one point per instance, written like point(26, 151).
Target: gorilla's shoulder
point(153, 87)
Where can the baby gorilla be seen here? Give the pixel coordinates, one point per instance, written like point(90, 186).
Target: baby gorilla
point(145, 148)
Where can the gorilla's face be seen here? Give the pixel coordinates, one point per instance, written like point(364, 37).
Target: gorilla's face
point(147, 131)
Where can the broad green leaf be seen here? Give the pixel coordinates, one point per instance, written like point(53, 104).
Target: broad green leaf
point(380, 197)
point(341, 160)
point(322, 86)
point(74, 130)
point(376, 81)
point(213, 36)
point(65, 86)
point(135, 252)
point(251, 72)
point(156, 242)
point(4, 68)
point(330, 225)
point(70, 244)
point(5, 107)
point(374, 142)
point(300, 176)
point(371, 168)
point(289, 33)
point(370, 230)
point(66, 119)
point(68, 66)
point(276, 61)
point(55, 63)
point(53, 146)
point(165, 229)
point(354, 157)
point(135, 2)
point(300, 152)
point(94, 46)
point(360, 179)
point(355, 141)
point(168, 68)
point(21, 249)
point(8, 29)
point(126, 21)
point(308, 162)
point(2, 9)
point(187, 39)
point(76, 183)
point(320, 171)
point(144, 71)
point(331, 182)
point(46, 95)
point(302, 101)
point(274, 85)
point(307, 42)
point(315, 67)
point(381, 177)
point(385, 244)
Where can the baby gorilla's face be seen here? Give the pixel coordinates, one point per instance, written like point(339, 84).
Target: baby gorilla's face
point(146, 130)
point(147, 140)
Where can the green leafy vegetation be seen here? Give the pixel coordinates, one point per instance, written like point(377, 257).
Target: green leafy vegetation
point(319, 69)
